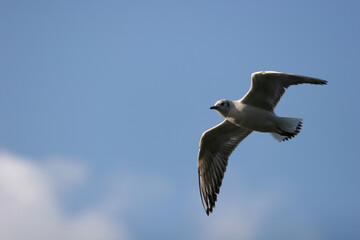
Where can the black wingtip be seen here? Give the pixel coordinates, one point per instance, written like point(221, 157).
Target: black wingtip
point(321, 82)
point(209, 210)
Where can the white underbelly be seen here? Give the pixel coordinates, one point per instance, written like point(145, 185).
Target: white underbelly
point(254, 118)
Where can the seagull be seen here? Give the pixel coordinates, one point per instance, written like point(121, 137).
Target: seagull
point(254, 112)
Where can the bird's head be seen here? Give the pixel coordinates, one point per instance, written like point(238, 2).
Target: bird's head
point(222, 106)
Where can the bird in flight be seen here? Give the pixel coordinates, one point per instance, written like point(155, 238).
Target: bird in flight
point(254, 112)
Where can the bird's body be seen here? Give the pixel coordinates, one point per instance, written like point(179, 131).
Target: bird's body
point(251, 117)
point(254, 112)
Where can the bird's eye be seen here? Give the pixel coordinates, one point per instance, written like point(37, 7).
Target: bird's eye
point(222, 104)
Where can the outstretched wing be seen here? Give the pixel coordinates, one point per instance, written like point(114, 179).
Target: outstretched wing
point(267, 87)
point(216, 145)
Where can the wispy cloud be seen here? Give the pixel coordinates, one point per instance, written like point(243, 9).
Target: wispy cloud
point(130, 191)
point(32, 206)
point(258, 214)
point(239, 218)
point(30, 210)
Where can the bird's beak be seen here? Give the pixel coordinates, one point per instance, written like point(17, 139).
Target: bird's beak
point(213, 107)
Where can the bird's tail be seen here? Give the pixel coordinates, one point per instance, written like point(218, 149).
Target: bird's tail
point(287, 128)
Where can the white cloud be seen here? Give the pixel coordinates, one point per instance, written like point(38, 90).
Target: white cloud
point(66, 174)
point(31, 206)
point(30, 210)
point(135, 191)
point(257, 214)
point(239, 218)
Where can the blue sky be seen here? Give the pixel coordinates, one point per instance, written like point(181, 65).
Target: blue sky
point(103, 103)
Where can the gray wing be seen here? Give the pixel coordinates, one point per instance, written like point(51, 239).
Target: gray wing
point(216, 145)
point(267, 87)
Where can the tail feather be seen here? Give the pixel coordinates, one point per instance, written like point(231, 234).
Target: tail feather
point(287, 129)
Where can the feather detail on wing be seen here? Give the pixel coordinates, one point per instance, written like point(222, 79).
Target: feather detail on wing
point(267, 87)
point(216, 145)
